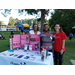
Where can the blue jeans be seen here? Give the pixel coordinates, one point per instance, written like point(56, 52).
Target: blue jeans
point(58, 56)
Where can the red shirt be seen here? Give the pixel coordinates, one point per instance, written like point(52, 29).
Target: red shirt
point(58, 41)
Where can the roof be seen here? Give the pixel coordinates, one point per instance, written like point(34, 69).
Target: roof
point(20, 24)
point(3, 25)
point(11, 26)
point(26, 25)
point(73, 27)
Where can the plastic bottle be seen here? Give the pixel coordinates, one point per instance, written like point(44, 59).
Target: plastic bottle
point(25, 47)
point(43, 54)
point(30, 47)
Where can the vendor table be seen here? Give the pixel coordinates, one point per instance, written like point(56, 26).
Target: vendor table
point(10, 58)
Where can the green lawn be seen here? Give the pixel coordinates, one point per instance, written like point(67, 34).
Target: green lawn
point(69, 53)
point(4, 43)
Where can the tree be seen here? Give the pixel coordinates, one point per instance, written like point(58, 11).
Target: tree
point(16, 21)
point(43, 13)
point(32, 12)
point(1, 22)
point(11, 21)
point(65, 17)
point(29, 21)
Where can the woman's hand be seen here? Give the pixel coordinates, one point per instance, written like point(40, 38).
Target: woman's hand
point(61, 52)
point(63, 44)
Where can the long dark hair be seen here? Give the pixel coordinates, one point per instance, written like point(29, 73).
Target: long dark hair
point(60, 30)
point(44, 26)
point(37, 27)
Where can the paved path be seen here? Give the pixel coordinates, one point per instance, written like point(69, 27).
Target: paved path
point(72, 61)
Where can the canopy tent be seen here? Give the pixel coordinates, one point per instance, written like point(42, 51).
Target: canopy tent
point(73, 30)
point(73, 27)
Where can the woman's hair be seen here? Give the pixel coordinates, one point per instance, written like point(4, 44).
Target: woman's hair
point(44, 26)
point(37, 27)
point(61, 30)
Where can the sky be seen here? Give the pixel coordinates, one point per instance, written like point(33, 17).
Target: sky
point(14, 14)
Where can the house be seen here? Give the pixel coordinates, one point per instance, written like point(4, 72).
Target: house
point(3, 27)
point(11, 28)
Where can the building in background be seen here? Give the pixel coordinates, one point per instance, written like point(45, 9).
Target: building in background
point(3, 27)
point(11, 28)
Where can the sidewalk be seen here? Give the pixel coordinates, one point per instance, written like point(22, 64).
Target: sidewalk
point(72, 61)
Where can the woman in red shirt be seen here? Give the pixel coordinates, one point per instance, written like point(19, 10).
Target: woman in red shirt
point(59, 45)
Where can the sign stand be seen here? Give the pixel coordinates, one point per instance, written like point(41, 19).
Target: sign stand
point(10, 41)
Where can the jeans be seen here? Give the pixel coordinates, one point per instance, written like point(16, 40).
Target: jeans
point(58, 56)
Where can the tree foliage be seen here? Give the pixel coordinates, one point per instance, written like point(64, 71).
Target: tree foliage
point(65, 17)
point(44, 12)
point(1, 22)
point(27, 21)
point(11, 21)
point(16, 21)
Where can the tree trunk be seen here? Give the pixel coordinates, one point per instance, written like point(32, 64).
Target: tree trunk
point(42, 19)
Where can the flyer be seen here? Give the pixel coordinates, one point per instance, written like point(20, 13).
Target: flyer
point(35, 42)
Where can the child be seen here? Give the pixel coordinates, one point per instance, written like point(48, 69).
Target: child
point(70, 36)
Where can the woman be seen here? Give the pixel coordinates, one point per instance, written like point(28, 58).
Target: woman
point(46, 38)
point(59, 45)
point(35, 30)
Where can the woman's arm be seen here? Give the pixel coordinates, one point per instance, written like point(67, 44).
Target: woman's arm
point(63, 45)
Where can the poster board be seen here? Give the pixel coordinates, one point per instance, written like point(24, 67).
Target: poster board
point(16, 41)
point(19, 40)
point(24, 40)
point(35, 42)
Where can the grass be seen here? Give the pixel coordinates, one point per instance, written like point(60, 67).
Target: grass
point(69, 52)
point(4, 43)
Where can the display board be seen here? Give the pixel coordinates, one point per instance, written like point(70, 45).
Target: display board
point(16, 41)
point(24, 40)
point(19, 40)
point(35, 42)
